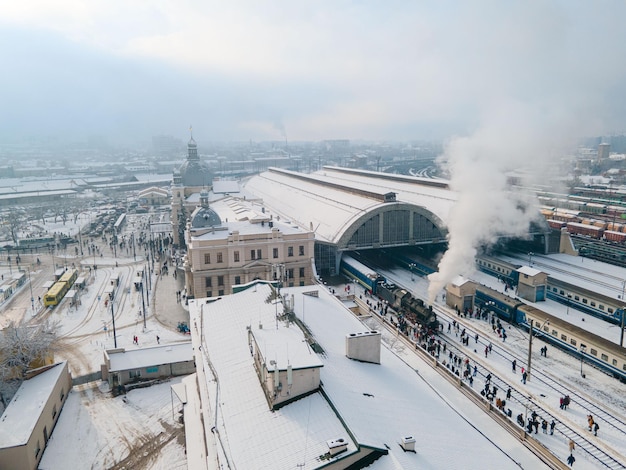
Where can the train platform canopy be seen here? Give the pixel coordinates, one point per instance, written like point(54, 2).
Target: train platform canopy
point(351, 208)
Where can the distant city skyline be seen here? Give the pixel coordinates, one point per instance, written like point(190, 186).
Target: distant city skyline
point(309, 71)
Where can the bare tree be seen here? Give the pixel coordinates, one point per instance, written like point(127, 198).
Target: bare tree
point(14, 222)
point(23, 347)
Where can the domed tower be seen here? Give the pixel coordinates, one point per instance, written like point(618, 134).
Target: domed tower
point(194, 173)
point(204, 216)
point(190, 178)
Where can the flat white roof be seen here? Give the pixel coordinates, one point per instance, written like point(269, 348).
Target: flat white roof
point(153, 356)
point(528, 271)
point(283, 347)
point(20, 417)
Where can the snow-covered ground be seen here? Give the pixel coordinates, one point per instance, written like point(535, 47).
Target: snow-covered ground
point(141, 430)
point(95, 430)
point(607, 391)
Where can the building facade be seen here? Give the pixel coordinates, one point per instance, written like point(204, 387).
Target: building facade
point(230, 244)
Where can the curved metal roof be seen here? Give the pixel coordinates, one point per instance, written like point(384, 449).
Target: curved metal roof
point(336, 203)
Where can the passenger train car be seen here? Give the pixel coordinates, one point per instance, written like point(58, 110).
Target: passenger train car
point(593, 303)
point(360, 273)
point(593, 349)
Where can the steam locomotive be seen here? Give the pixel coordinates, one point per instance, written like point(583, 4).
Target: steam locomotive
point(402, 301)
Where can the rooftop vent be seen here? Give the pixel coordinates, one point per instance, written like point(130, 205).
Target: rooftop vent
point(336, 446)
point(364, 346)
point(408, 444)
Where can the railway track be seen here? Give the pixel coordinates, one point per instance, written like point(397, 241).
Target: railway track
point(602, 454)
point(606, 458)
point(552, 267)
point(609, 417)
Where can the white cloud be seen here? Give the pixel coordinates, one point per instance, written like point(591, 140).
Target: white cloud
point(354, 69)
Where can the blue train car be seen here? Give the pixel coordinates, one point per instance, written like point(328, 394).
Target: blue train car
point(585, 300)
point(360, 273)
point(502, 305)
point(590, 348)
point(499, 268)
point(413, 265)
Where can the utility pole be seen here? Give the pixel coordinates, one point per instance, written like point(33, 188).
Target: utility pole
point(113, 320)
point(530, 348)
point(621, 332)
point(143, 306)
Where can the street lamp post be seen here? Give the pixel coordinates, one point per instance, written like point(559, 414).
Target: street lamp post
point(569, 297)
point(621, 333)
point(490, 306)
point(412, 266)
point(530, 344)
point(113, 321)
point(32, 299)
point(530, 258)
point(143, 307)
point(80, 240)
point(582, 355)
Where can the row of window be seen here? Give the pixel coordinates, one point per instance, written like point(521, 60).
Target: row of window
point(289, 273)
point(584, 300)
point(45, 429)
point(254, 254)
point(208, 282)
point(495, 267)
point(592, 351)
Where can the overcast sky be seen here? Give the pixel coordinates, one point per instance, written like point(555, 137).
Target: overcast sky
point(308, 70)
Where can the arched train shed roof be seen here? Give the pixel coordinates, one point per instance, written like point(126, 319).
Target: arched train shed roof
point(356, 208)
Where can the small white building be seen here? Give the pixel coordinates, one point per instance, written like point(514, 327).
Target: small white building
point(122, 367)
point(288, 369)
point(28, 421)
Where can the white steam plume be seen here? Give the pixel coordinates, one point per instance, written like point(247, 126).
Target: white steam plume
point(514, 137)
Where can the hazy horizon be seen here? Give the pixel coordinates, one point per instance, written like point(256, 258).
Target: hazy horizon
point(308, 71)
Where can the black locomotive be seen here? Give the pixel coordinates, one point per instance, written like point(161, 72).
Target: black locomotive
point(403, 302)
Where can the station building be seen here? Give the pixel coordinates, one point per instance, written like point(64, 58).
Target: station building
point(290, 226)
point(232, 242)
point(351, 209)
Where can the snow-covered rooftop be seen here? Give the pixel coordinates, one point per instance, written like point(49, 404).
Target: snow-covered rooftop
point(378, 403)
point(528, 271)
point(21, 415)
point(156, 355)
point(285, 346)
point(330, 201)
point(257, 436)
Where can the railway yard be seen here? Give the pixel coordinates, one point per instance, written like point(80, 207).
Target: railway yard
point(553, 376)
